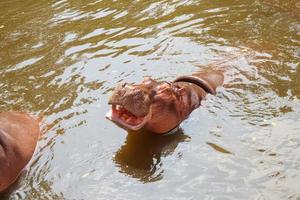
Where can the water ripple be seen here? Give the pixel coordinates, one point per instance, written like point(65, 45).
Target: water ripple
point(61, 60)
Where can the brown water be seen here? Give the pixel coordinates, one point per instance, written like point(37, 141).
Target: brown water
point(61, 59)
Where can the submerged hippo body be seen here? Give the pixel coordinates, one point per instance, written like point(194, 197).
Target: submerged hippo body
point(19, 133)
point(161, 106)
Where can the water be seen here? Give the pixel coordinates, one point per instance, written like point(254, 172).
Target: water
point(61, 60)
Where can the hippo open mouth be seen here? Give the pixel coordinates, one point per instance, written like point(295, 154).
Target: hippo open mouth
point(125, 118)
point(131, 105)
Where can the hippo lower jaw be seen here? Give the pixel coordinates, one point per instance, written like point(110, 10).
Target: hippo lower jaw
point(126, 119)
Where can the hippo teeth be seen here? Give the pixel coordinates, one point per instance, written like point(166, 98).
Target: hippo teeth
point(125, 118)
point(118, 107)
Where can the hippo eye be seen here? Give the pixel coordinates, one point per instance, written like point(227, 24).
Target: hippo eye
point(175, 87)
point(153, 93)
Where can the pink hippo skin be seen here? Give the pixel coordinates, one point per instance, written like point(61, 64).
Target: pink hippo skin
point(19, 133)
point(161, 106)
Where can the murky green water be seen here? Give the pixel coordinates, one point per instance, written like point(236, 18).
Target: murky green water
point(61, 59)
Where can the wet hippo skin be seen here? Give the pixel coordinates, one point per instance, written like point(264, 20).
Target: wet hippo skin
point(160, 107)
point(19, 133)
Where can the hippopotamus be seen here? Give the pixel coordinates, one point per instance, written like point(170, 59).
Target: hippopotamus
point(19, 133)
point(160, 106)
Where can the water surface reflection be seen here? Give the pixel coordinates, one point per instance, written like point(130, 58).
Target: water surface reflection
point(142, 154)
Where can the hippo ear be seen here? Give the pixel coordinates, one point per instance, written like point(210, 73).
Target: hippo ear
point(147, 80)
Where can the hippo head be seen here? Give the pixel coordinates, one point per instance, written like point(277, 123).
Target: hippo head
point(161, 106)
point(151, 104)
